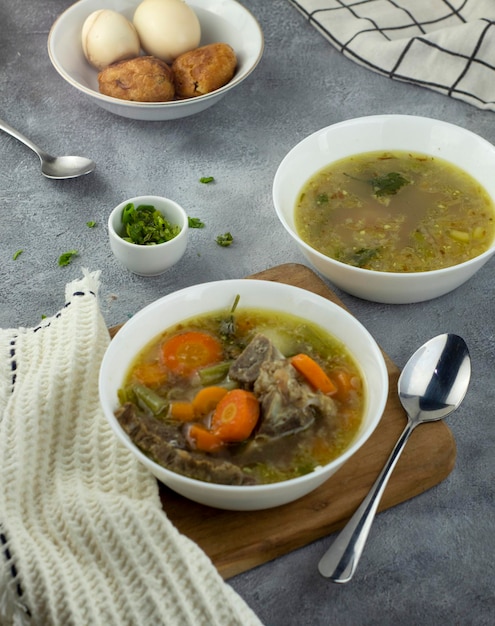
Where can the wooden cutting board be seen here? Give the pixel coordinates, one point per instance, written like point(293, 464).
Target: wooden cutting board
point(238, 541)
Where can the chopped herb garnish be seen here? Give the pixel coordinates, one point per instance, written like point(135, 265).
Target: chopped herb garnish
point(322, 198)
point(17, 254)
point(66, 257)
point(206, 179)
point(388, 184)
point(358, 258)
point(225, 240)
point(195, 222)
point(91, 224)
point(145, 225)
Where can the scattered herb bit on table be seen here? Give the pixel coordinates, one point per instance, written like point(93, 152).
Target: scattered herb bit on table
point(224, 240)
point(145, 225)
point(206, 179)
point(195, 222)
point(66, 257)
point(17, 254)
point(91, 224)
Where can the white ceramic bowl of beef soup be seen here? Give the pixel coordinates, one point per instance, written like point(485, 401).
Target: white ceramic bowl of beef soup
point(454, 144)
point(198, 299)
point(225, 21)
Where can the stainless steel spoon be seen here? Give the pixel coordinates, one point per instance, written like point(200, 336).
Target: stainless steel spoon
point(432, 384)
point(53, 167)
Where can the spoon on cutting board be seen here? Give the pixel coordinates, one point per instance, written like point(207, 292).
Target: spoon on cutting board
point(432, 384)
point(53, 167)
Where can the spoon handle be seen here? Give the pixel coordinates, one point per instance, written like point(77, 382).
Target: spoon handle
point(7, 128)
point(340, 561)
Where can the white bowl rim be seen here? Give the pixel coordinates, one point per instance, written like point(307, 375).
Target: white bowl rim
point(176, 104)
point(359, 270)
point(263, 488)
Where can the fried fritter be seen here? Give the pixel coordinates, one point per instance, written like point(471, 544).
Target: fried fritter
point(203, 70)
point(143, 79)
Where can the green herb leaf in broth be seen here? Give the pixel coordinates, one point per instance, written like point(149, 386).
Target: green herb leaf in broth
point(388, 184)
point(358, 258)
point(385, 185)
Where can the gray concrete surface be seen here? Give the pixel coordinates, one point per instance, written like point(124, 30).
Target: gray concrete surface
point(429, 560)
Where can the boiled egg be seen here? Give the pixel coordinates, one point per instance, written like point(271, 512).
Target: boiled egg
point(107, 37)
point(167, 28)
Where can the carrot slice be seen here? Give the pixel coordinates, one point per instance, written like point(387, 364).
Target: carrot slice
point(236, 415)
point(150, 374)
point(343, 382)
point(207, 399)
point(203, 439)
point(313, 373)
point(186, 352)
point(182, 411)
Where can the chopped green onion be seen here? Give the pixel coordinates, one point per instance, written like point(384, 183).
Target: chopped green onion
point(17, 254)
point(224, 240)
point(145, 225)
point(195, 222)
point(206, 179)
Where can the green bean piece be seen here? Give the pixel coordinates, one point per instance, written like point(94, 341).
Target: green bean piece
point(125, 394)
point(150, 399)
point(214, 374)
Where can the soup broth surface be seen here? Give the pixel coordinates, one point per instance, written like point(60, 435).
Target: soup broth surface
point(395, 212)
point(269, 459)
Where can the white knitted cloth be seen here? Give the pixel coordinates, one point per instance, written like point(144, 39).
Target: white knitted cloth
point(83, 538)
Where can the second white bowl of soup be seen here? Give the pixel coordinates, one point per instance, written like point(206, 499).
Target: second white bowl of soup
point(243, 394)
point(391, 208)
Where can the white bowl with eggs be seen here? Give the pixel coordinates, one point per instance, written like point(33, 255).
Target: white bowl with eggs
point(224, 21)
point(176, 307)
point(414, 134)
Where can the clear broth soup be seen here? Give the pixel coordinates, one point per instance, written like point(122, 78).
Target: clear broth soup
point(395, 212)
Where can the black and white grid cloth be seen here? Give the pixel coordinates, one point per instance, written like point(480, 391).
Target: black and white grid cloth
point(444, 45)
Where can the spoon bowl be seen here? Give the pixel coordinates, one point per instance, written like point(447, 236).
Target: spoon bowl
point(65, 166)
point(434, 381)
point(432, 385)
point(53, 167)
